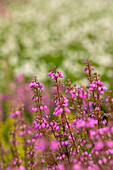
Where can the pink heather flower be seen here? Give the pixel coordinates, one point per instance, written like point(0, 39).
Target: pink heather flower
point(104, 122)
point(80, 123)
point(17, 113)
point(12, 115)
point(59, 72)
point(67, 110)
point(81, 89)
point(56, 109)
point(106, 129)
point(96, 108)
point(76, 94)
point(41, 85)
point(101, 131)
point(101, 92)
point(29, 131)
point(57, 128)
point(47, 125)
point(36, 85)
point(90, 104)
point(99, 88)
point(87, 72)
point(66, 143)
point(21, 134)
point(43, 125)
point(65, 104)
point(59, 111)
point(42, 160)
point(102, 84)
point(90, 89)
point(93, 85)
point(92, 68)
point(37, 98)
point(104, 88)
point(80, 95)
point(71, 92)
point(109, 143)
point(74, 122)
point(91, 123)
point(66, 126)
point(98, 82)
point(63, 156)
point(92, 134)
point(45, 107)
point(63, 143)
point(51, 123)
point(57, 103)
point(31, 85)
point(35, 109)
point(66, 91)
point(104, 160)
point(61, 76)
point(41, 107)
point(73, 96)
point(84, 68)
point(54, 113)
point(107, 99)
point(56, 74)
point(28, 141)
point(52, 77)
point(49, 74)
point(66, 100)
point(89, 95)
point(57, 135)
point(99, 161)
point(14, 162)
point(99, 145)
point(20, 161)
point(111, 151)
point(112, 100)
point(96, 153)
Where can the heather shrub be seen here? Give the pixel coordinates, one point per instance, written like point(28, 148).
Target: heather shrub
point(17, 93)
point(74, 131)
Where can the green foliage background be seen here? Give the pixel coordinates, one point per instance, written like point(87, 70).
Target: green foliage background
point(36, 35)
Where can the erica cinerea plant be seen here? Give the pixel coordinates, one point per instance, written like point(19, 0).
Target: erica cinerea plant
point(78, 134)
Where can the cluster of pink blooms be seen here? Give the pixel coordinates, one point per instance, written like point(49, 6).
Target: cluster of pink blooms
point(17, 93)
point(54, 75)
point(77, 134)
point(97, 85)
point(16, 113)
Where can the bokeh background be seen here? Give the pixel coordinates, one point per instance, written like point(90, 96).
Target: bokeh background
point(36, 35)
